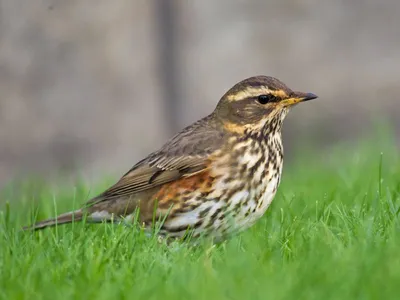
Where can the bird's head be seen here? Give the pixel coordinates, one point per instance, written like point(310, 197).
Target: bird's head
point(257, 104)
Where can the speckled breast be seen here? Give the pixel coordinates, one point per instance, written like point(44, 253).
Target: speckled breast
point(245, 181)
point(253, 185)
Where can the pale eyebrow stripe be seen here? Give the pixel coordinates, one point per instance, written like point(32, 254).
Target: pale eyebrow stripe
point(255, 91)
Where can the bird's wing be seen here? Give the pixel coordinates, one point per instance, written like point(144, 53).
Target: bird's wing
point(184, 155)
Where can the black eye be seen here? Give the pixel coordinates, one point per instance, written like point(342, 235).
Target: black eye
point(264, 99)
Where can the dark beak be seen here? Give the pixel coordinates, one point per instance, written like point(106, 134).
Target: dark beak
point(297, 97)
point(310, 96)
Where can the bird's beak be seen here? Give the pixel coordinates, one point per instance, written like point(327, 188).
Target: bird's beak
point(297, 97)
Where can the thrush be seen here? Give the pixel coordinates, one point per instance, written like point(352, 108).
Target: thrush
point(216, 177)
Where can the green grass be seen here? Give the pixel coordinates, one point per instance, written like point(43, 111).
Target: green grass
point(333, 232)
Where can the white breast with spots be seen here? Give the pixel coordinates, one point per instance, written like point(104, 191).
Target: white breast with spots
point(248, 200)
point(259, 201)
point(256, 199)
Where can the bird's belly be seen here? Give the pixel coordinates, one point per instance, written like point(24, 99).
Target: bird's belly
point(260, 199)
point(218, 216)
point(235, 200)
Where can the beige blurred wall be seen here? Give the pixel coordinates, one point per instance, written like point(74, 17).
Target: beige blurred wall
point(81, 90)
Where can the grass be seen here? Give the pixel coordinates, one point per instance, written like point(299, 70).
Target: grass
point(331, 233)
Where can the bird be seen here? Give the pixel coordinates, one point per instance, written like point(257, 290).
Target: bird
point(216, 177)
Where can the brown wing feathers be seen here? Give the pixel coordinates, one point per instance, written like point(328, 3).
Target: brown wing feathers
point(185, 154)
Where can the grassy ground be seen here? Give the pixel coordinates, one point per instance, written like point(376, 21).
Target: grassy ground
point(331, 233)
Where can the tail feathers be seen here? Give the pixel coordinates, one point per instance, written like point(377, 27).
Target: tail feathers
point(68, 217)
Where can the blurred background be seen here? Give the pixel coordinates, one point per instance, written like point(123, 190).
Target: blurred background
point(87, 88)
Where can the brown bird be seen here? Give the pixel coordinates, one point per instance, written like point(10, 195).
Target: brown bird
point(216, 177)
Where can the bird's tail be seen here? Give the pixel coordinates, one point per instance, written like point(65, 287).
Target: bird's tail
point(68, 217)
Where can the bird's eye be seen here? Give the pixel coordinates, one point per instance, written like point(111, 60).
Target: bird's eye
point(264, 99)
